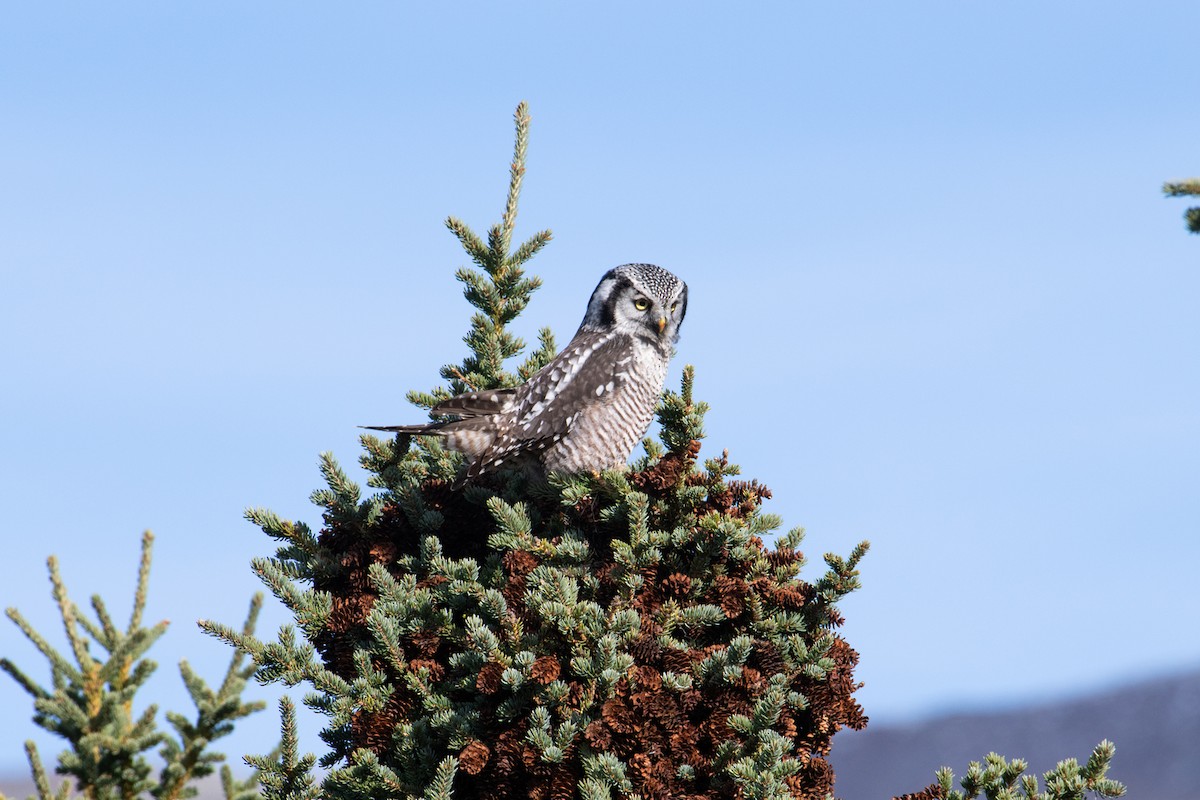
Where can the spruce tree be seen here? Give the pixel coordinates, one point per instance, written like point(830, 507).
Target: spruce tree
point(1188, 188)
point(624, 634)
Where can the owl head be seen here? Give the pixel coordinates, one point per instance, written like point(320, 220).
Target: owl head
point(639, 299)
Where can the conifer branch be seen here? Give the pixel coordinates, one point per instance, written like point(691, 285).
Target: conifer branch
point(143, 583)
point(516, 175)
point(476, 249)
point(106, 624)
point(682, 420)
point(66, 610)
point(41, 781)
point(59, 666)
point(527, 251)
point(246, 789)
point(997, 777)
point(1186, 188)
point(302, 553)
point(284, 775)
point(442, 786)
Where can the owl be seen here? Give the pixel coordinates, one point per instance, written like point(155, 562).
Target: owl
point(588, 408)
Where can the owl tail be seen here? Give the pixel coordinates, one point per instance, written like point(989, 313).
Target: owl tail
point(429, 429)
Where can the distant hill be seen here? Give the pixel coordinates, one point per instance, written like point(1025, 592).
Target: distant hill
point(1155, 725)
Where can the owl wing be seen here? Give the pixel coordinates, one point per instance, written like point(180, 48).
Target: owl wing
point(546, 407)
point(581, 375)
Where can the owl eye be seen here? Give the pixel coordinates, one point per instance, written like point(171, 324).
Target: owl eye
point(641, 304)
point(675, 305)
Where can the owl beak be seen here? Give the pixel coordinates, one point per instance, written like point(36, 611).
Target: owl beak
point(662, 323)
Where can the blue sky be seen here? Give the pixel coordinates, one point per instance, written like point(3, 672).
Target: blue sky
point(936, 298)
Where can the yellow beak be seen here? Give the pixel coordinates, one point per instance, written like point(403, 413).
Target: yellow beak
point(662, 323)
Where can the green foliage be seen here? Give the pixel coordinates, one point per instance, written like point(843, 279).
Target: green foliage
point(504, 642)
point(1188, 188)
point(998, 779)
point(90, 703)
point(282, 774)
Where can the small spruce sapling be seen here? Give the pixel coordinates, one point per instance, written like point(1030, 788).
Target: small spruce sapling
point(90, 704)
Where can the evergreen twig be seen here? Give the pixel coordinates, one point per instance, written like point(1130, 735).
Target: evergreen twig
point(283, 774)
point(1186, 188)
point(997, 778)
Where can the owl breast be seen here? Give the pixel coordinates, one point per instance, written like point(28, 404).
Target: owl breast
point(618, 413)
